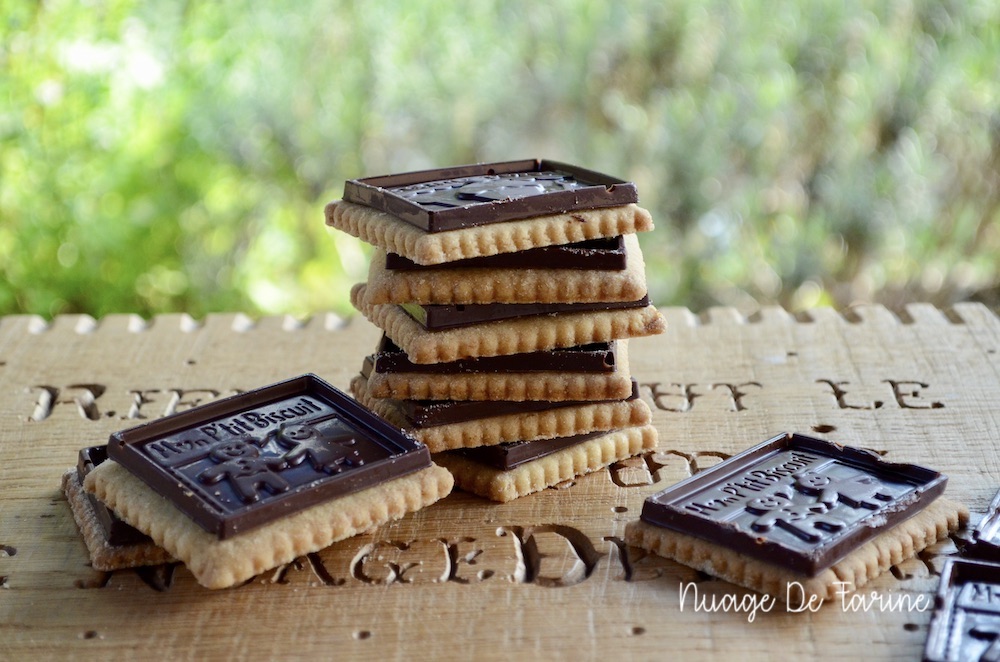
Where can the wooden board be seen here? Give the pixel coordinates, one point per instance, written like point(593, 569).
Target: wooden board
point(546, 575)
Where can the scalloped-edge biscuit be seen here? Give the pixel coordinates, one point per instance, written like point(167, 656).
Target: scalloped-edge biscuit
point(396, 236)
point(104, 556)
point(548, 471)
point(528, 426)
point(503, 337)
point(472, 286)
point(510, 386)
point(222, 563)
point(861, 566)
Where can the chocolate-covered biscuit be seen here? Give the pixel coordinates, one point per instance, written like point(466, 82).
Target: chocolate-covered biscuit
point(796, 501)
point(466, 196)
point(243, 461)
point(797, 511)
point(245, 483)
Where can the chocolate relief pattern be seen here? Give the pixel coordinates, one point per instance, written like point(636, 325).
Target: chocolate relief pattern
point(257, 455)
point(465, 191)
point(977, 617)
point(966, 620)
point(797, 499)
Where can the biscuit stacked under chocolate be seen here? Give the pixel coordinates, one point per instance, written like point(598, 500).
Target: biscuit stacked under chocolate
point(507, 293)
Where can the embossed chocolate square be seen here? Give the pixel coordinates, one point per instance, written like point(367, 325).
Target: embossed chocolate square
point(465, 196)
point(247, 460)
point(795, 501)
point(966, 620)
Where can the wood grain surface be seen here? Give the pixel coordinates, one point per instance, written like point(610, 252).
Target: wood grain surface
point(546, 575)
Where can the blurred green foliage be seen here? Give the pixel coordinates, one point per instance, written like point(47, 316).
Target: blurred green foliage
point(176, 156)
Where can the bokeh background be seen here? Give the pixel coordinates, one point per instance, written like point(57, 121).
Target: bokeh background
point(176, 156)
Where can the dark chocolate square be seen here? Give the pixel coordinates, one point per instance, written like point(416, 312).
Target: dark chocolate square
point(243, 461)
point(465, 196)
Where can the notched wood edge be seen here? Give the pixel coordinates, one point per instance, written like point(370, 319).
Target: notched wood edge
point(170, 322)
point(911, 314)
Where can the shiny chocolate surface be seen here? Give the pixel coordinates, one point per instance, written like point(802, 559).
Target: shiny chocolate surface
point(467, 196)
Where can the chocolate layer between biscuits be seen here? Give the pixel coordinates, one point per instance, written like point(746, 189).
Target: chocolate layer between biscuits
point(117, 532)
point(437, 316)
point(430, 413)
point(607, 253)
point(509, 455)
point(592, 358)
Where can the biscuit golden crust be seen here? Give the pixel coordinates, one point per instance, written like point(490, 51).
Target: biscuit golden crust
point(529, 426)
point(536, 475)
point(396, 236)
point(219, 563)
point(513, 336)
point(535, 285)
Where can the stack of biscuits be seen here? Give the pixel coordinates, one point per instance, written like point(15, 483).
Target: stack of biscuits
point(507, 293)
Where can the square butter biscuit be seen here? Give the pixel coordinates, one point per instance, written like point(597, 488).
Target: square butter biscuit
point(512, 285)
point(509, 336)
point(556, 421)
point(597, 452)
point(396, 236)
